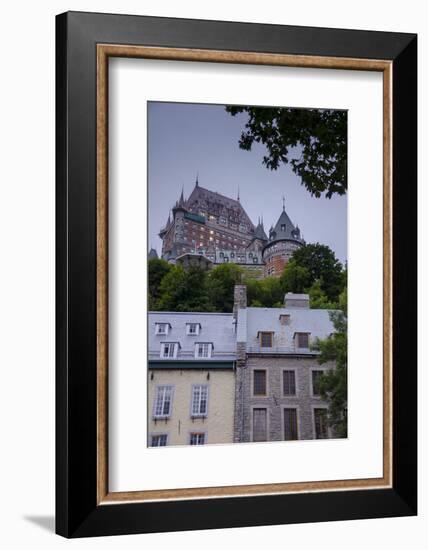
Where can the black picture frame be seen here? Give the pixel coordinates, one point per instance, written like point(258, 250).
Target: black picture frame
point(77, 512)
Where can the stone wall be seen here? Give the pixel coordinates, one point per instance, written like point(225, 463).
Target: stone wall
point(275, 401)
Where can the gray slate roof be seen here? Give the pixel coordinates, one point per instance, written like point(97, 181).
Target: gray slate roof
point(217, 328)
point(260, 232)
point(290, 232)
point(153, 254)
point(253, 320)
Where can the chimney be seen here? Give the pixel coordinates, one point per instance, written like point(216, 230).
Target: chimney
point(239, 299)
point(294, 301)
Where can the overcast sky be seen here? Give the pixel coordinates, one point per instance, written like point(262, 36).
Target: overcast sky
point(186, 139)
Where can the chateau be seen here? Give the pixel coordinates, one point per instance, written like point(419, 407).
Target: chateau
point(209, 229)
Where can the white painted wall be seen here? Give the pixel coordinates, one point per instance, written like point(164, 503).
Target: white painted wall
point(27, 271)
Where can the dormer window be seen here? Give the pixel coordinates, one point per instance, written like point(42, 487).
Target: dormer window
point(283, 227)
point(266, 339)
point(192, 329)
point(302, 340)
point(169, 350)
point(203, 350)
point(254, 260)
point(162, 328)
point(284, 319)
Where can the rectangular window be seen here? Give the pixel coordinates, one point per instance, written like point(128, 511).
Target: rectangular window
point(203, 350)
point(320, 420)
point(163, 401)
point(197, 438)
point(200, 400)
point(259, 425)
point(192, 329)
point(169, 350)
point(259, 385)
point(159, 440)
point(316, 375)
point(289, 380)
point(303, 340)
point(162, 328)
point(266, 339)
point(290, 424)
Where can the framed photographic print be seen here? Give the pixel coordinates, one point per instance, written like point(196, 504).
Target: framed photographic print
point(236, 274)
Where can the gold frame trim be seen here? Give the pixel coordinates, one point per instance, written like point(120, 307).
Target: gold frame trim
point(104, 51)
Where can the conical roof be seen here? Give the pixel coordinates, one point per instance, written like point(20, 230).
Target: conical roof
point(284, 229)
point(260, 233)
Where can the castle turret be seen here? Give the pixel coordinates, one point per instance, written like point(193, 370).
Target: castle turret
point(284, 239)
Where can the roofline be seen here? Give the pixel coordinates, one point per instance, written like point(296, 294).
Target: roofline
point(189, 364)
point(190, 313)
point(302, 242)
point(277, 354)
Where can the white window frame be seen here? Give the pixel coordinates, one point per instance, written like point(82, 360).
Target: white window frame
point(188, 331)
point(158, 435)
point(209, 350)
point(159, 325)
point(169, 356)
point(198, 390)
point(160, 395)
point(198, 434)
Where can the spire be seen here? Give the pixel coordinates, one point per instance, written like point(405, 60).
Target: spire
point(238, 194)
point(260, 232)
point(197, 180)
point(283, 203)
point(181, 200)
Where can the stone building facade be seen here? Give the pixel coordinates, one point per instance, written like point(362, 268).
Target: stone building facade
point(276, 393)
point(219, 229)
point(246, 376)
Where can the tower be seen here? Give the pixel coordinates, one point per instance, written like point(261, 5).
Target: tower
point(284, 239)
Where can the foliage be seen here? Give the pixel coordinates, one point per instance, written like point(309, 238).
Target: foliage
point(334, 382)
point(320, 135)
point(313, 269)
point(295, 277)
point(323, 266)
point(318, 299)
point(264, 292)
point(221, 282)
point(184, 290)
point(157, 270)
